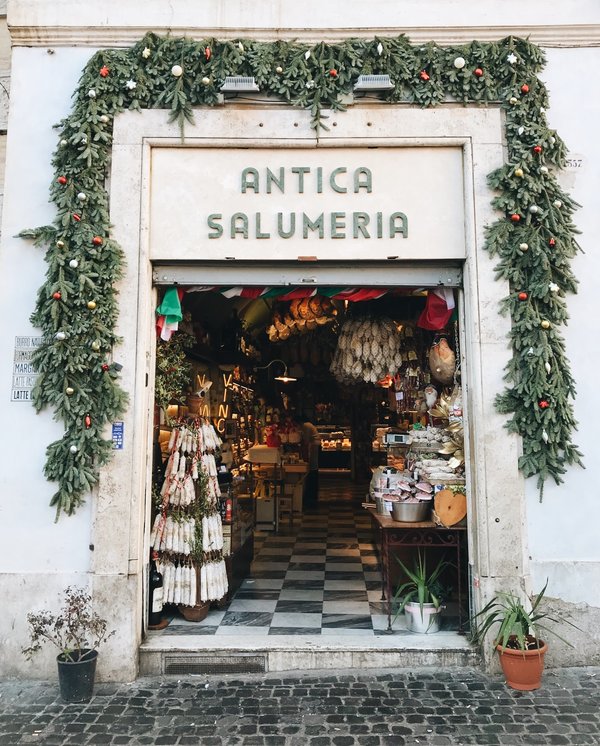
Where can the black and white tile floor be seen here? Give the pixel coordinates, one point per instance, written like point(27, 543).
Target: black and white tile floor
point(321, 579)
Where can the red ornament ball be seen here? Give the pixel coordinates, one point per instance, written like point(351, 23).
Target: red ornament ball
point(76, 217)
point(515, 218)
point(97, 240)
point(105, 367)
point(552, 242)
point(62, 180)
point(523, 296)
point(88, 421)
point(544, 404)
point(537, 149)
point(524, 88)
point(424, 75)
point(104, 71)
point(478, 72)
point(333, 72)
point(207, 53)
point(56, 296)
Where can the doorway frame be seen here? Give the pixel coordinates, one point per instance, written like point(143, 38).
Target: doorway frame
point(497, 538)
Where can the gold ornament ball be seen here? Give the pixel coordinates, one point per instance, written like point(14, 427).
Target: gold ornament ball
point(519, 172)
point(91, 304)
point(95, 345)
point(545, 324)
point(69, 391)
point(60, 244)
point(513, 100)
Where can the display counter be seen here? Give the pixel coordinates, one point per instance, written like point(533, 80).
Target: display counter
point(336, 447)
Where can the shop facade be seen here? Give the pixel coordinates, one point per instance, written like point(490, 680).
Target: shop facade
point(419, 177)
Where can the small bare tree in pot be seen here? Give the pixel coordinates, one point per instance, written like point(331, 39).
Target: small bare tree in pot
point(77, 631)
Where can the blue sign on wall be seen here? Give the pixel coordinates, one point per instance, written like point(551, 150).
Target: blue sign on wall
point(117, 435)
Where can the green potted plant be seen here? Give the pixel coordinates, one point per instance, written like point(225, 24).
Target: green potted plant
point(517, 631)
point(421, 596)
point(77, 631)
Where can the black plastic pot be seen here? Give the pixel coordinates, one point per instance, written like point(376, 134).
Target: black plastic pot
point(76, 680)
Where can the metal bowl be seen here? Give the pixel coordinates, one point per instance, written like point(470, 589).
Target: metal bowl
point(411, 512)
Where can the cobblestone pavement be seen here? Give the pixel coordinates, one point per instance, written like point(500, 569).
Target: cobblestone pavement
point(433, 707)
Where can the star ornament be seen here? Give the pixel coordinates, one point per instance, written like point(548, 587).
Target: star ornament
point(131, 85)
point(553, 287)
point(512, 58)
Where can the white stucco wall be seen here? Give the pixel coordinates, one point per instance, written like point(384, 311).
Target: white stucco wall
point(563, 533)
point(40, 557)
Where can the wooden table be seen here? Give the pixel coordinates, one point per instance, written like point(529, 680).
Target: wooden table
point(389, 534)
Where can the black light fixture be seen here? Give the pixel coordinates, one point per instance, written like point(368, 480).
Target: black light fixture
point(284, 377)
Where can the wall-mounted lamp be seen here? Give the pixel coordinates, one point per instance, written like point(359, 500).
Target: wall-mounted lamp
point(373, 83)
point(284, 378)
point(238, 84)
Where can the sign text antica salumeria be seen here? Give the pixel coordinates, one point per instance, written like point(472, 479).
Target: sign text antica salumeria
point(302, 179)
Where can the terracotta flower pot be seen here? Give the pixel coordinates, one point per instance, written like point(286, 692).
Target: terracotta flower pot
point(523, 668)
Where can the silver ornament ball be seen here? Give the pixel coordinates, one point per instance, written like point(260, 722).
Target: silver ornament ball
point(73, 448)
point(177, 71)
point(73, 264)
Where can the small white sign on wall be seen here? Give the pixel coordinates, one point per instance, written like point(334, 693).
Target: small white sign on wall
point(24, 376)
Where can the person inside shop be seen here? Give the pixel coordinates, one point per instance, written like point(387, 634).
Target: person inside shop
point(310, 453)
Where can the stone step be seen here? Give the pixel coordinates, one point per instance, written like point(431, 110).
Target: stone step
point(184, 655)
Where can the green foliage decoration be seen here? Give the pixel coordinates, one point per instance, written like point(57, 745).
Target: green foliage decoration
point(315, 78)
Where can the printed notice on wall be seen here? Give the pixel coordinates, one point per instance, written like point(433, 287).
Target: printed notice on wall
point(23, 374)
point(117, 435)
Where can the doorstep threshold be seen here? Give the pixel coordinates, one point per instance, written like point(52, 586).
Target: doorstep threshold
point(197, 653)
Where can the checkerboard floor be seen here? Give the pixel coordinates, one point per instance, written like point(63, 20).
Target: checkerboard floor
point(321, 577)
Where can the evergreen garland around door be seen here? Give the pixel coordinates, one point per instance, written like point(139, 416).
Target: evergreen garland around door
point(533, 237)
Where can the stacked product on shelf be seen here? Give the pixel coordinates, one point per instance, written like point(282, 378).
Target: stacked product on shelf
point(187, 531)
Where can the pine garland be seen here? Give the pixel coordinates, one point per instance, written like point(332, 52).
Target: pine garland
point(534, 240)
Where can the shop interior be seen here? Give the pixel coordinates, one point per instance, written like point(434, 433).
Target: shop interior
point(290, 425)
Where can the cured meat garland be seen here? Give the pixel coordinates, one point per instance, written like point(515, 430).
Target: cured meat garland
point(187, 532)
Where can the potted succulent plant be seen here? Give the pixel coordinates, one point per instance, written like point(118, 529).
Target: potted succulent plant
point(421, 596)
point(516, 630)
point(77, 631)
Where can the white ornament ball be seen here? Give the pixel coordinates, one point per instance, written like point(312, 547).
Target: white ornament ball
point(557, 203)
point(95, 345)
point(92, 93)
point(177, 71)
point(459, 63)
point(60, 336)
point(63, 143)
point(523, 246)
point(513, 100)
point(534, 208)
point(544, 170)
point(146, 52)
point(552, 141)
point(205, 81)
point(279, 69)
point(73, 448)
point(73, 264)
point(82, 196)
point(104, 119)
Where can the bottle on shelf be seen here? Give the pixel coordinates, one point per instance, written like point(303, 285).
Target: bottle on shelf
point(156, 593)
